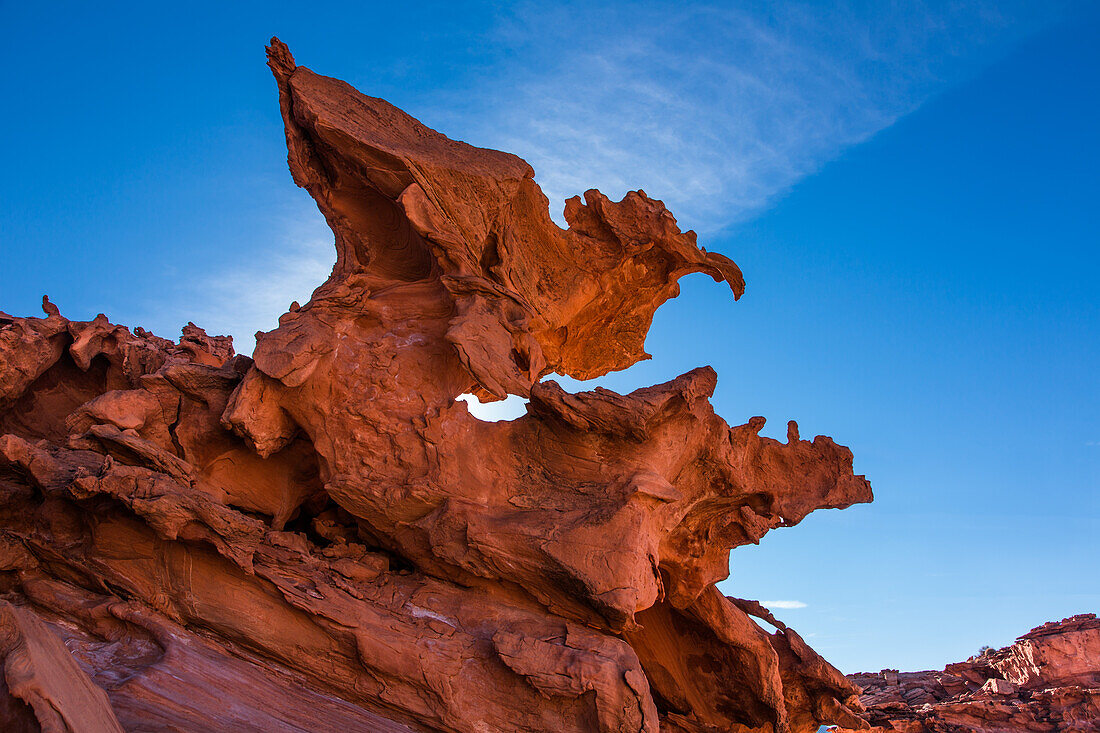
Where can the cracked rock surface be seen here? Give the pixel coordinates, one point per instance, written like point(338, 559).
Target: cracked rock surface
point(322, 538)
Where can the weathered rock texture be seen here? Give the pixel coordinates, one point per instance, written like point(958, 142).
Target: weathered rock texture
point(1049, 680)
point(321, 538)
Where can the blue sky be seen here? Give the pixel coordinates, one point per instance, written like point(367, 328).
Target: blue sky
point(909, 188)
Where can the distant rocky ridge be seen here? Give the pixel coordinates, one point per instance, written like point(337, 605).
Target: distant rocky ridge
point(1049, 680)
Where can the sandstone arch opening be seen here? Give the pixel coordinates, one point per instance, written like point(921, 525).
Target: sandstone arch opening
point(506, 410)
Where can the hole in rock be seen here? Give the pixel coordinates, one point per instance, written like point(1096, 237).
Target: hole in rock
point(507, 409)
point(765, 625)
point(304, 519)
point(324, 522)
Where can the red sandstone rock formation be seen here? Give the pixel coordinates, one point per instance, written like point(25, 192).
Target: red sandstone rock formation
point(321, 538)
point(1049, 680)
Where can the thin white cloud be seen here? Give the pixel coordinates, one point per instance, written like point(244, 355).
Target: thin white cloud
point(786, 605)
point(716, 108)
point(251, 295)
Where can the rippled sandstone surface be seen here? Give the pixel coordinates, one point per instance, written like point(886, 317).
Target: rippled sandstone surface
point(321, 538)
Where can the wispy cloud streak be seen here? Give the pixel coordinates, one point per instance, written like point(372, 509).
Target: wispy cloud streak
point(717, 108)
point(251, 295)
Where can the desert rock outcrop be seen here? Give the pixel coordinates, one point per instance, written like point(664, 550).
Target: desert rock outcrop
point(322, 538)
point(1048, 680)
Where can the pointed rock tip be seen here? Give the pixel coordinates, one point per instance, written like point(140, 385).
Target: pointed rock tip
point(279, 58)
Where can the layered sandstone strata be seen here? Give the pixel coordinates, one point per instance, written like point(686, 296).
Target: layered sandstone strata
point(322, 538)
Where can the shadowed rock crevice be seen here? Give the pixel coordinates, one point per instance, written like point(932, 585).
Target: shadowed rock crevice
point(321, 538)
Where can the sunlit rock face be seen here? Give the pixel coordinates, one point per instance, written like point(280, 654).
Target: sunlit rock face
point(1048, 680)
point(323, 538)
